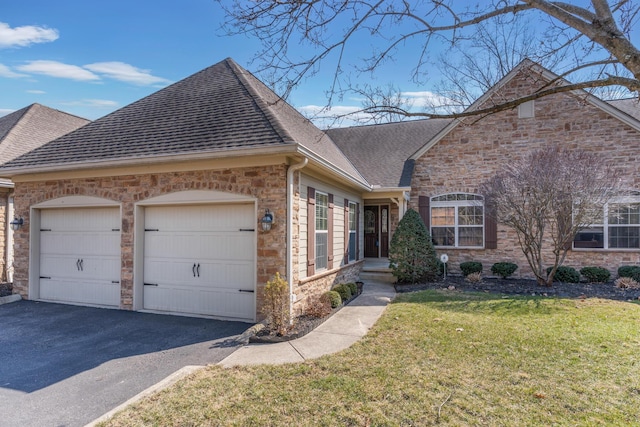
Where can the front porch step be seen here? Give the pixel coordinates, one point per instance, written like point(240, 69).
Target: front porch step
point(377, 275)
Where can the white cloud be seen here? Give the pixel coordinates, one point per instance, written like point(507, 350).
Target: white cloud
point(26, 35)
point(58, 69)
point(94, 103)
point(36, 92)
point(424, 99)
point(7, 72)
point(125, 73)
point(5, 111)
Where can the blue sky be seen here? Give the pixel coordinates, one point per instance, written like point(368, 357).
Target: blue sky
point(90, 58)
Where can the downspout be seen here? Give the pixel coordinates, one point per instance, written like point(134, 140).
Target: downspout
point(290, 192)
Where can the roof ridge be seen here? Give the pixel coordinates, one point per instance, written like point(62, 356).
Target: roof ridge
point(273, 120)
point(17, 120)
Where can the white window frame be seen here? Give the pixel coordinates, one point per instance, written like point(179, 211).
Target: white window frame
point(322, 263)
point(606, 226)
point(352, 231)
point(457, 200)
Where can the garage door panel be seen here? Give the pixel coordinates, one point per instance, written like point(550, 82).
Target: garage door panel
point(80, 243)
point(228, 246)
point(72, 220)
point(198, 301)
point(219, 241)
point(80, 291)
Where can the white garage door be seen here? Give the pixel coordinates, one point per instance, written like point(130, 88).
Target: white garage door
point(80, 256)
point(200, 260)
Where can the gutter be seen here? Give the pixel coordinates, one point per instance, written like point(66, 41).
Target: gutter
point(290, 191)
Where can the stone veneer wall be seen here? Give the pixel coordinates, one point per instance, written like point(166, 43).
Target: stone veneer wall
point(4, 223)
point(314, 286)
point(267, 184)
point(475, 150)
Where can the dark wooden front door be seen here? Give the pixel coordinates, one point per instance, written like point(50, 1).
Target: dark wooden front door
point(376, 231)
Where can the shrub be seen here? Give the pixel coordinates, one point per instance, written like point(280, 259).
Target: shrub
point(333, 297)
point(626, 283)
point(475, 277)
point(353, 288)
point(470, 267)
point(595, 274)
point(632, 271)
point(504, 269)
point(319, 306)
point(565, 274)
point(344, 291)
point(276, 304)
point(411, 254)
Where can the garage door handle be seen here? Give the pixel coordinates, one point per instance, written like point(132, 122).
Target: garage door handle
point(246, 290)
point(198, 270)
point(81, 265)
point(193, 270)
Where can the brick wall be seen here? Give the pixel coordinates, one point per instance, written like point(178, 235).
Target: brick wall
point(477, 148)
point(267, 184)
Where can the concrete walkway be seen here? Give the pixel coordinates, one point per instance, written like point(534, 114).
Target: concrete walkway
point(340, 331)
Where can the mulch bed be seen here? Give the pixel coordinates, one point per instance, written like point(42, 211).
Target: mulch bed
point(529, 287)
point(5, 289)
point(301, 326)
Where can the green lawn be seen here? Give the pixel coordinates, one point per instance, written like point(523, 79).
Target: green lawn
point(436, 358)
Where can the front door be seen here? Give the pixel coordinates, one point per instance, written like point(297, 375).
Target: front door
point(376, 231)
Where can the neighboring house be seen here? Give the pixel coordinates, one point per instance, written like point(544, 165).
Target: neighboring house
point(21, 132)
point(160, 205)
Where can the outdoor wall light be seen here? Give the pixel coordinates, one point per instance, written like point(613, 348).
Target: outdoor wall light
point(16, 224)
point(267, 220)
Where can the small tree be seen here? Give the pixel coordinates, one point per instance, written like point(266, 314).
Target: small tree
point(276, 304)
point(411, 254)
point(547, 197)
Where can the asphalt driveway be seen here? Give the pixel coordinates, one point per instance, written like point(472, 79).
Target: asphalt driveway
point(63, 365)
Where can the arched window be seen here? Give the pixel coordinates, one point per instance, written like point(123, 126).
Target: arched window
point(457, 220)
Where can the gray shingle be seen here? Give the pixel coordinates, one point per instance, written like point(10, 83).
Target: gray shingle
point(31, 127)
point(381, 152)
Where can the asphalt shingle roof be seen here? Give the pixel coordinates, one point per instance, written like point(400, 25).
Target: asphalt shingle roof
point(220, 108)
point(381, 152)
point(31, 127)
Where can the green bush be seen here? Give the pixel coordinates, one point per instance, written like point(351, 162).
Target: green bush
point(353, 288)
point(595, 274)
point(334, 298)
point(565, 274)
point(504, 269)
point(470, 267)
point(411, 254)
point(344, 291)
point(629, 271)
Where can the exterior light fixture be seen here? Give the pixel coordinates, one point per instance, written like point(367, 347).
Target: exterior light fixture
point(16, 224)
point(267, 220)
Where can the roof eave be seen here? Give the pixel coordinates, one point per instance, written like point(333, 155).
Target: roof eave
point(334, 170)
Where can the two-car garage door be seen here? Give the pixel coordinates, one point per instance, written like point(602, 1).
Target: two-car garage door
point(198, 259)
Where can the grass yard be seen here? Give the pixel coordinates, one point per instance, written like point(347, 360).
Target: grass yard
point(436, 357)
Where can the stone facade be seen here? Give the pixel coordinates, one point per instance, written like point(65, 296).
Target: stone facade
point(267, 184)
point(4, 204)
point(473, 151)
point(314, 286)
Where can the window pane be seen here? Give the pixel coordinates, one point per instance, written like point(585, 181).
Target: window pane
point(384, 220)
point(624, 237)
point(592, 237)
point(369, 221)
point(443, 236)
point(470, 236)
point(624, 213)
point(322, 204)
point(321, 250)
point(352, 246)
point(470, 215)
point(352, 216)
point(443, 216)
